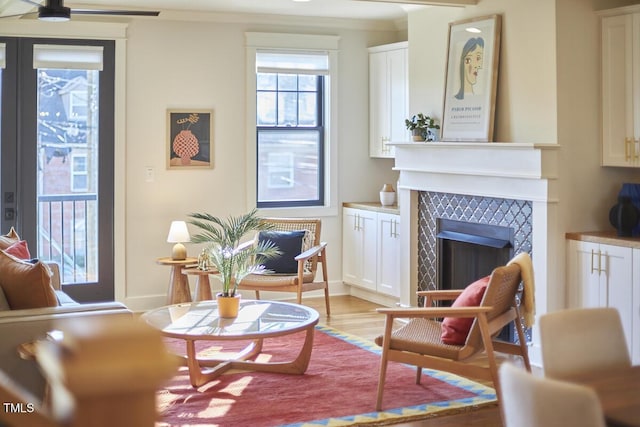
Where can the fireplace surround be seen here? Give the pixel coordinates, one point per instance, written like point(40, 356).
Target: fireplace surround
point(516, 185)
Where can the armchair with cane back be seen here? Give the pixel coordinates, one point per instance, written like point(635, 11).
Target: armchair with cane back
point(296, 271)
point(418, 342)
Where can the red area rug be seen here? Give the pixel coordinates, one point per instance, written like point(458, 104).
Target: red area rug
point(338, 389)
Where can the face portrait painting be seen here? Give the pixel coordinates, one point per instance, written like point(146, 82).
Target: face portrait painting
point(471, 61)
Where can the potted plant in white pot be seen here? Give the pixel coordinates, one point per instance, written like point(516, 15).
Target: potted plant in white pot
point(423, 128)
point(233, 259)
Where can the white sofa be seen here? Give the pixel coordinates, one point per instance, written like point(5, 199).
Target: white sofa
point(21, 326)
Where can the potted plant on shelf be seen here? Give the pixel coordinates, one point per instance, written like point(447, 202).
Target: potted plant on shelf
point(233, 259)
point(423, 128)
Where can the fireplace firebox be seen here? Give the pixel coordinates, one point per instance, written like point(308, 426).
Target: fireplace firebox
point(467, 251)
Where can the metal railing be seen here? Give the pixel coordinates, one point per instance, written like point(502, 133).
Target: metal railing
point(67, 234)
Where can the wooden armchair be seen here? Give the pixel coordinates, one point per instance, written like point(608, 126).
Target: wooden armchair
point(418, 342)
point(312, 253)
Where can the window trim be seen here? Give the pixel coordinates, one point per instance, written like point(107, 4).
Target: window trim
point(299, 42)
point(319, 129)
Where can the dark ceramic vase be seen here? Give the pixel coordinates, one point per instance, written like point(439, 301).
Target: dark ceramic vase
point(624, 216)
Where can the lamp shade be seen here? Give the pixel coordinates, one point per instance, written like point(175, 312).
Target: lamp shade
point(178, 232)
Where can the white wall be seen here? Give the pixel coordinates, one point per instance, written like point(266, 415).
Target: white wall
point(201, 65)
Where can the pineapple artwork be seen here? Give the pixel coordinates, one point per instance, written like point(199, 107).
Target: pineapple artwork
point(185, 144)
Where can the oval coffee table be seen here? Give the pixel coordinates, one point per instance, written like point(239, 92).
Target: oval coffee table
point(257, 320)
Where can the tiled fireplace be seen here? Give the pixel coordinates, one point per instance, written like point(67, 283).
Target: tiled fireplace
point(511, 185)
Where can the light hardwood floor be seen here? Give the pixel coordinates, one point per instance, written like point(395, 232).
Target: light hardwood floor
point(359, 317)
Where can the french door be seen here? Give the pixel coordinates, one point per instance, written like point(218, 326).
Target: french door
point(56, 141)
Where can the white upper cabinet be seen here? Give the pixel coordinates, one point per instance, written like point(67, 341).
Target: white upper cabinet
point(388, 98)
point(621, 90)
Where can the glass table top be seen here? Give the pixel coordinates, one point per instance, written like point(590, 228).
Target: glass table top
point(256, 319)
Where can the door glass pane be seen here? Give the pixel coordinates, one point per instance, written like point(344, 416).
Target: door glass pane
point(67, 178)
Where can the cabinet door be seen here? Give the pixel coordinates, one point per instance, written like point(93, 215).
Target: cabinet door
point(388, 100)
point(584, 280)
point(398, 96)
point(617, 284)
point(367, 226)
point(635, 320)
point(389, 254)
point(378, 104)
point(619, 92)
point(359, 248)
point(351, 247)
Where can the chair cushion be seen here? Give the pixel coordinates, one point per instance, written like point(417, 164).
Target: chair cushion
point(9, 239)
point(290, 244)
point(26, 285)
point(456, 329)
point(19, 250)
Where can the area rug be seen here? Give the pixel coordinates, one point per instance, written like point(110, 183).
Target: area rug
point(338, 389)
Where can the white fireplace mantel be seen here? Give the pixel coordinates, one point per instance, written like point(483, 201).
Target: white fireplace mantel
point(509, 170)
point(517, 171)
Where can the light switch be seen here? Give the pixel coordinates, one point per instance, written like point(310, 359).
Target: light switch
point(149, 174)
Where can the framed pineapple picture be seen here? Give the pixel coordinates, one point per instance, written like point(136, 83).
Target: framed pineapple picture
point(189, 139)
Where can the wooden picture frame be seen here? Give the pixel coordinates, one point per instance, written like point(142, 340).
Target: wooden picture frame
point(471, 79)
point(189, 138)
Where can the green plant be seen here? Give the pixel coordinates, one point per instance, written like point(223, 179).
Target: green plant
point(422, 122)
point(232, 259)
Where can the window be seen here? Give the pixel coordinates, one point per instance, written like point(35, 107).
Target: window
point(290, 128)
point(291, 123)
point(79, 173)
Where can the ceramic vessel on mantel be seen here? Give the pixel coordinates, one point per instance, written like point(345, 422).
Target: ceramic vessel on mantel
point(387, 195)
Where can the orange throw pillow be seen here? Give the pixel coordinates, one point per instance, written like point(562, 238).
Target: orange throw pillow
point(9, 239)
point(26, 285)
point(456, 329)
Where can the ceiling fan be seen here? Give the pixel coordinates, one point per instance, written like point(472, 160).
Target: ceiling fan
point(55, 10)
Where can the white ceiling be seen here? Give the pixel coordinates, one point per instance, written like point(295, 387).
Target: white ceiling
point(353, 9)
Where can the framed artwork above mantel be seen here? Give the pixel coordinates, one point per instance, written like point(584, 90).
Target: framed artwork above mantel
point(471, 79)
point(189, 138)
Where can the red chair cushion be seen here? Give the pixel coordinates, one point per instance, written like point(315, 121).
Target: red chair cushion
point(456, 329)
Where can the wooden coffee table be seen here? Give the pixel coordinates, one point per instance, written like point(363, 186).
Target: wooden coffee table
point(257, 320)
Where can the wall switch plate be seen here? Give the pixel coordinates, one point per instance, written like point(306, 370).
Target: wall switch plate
point(149, 174)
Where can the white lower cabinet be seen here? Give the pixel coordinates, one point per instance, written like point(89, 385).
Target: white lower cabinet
point(388, 254)
point(371, 250)
point(359, 248)
point(603, 275)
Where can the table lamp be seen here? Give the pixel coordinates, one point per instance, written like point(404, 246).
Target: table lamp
point(178, 234)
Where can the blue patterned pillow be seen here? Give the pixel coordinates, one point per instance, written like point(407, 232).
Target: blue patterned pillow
point(290, 244)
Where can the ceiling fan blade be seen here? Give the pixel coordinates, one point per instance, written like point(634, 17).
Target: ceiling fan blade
point(32, 3)
point(18, 15)
point(115, 12)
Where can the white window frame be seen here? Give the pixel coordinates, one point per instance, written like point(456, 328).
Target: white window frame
point(79, 172)
point(295, 42)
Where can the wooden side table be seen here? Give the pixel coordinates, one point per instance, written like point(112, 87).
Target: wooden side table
point(203, 286)
point(179, 291)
